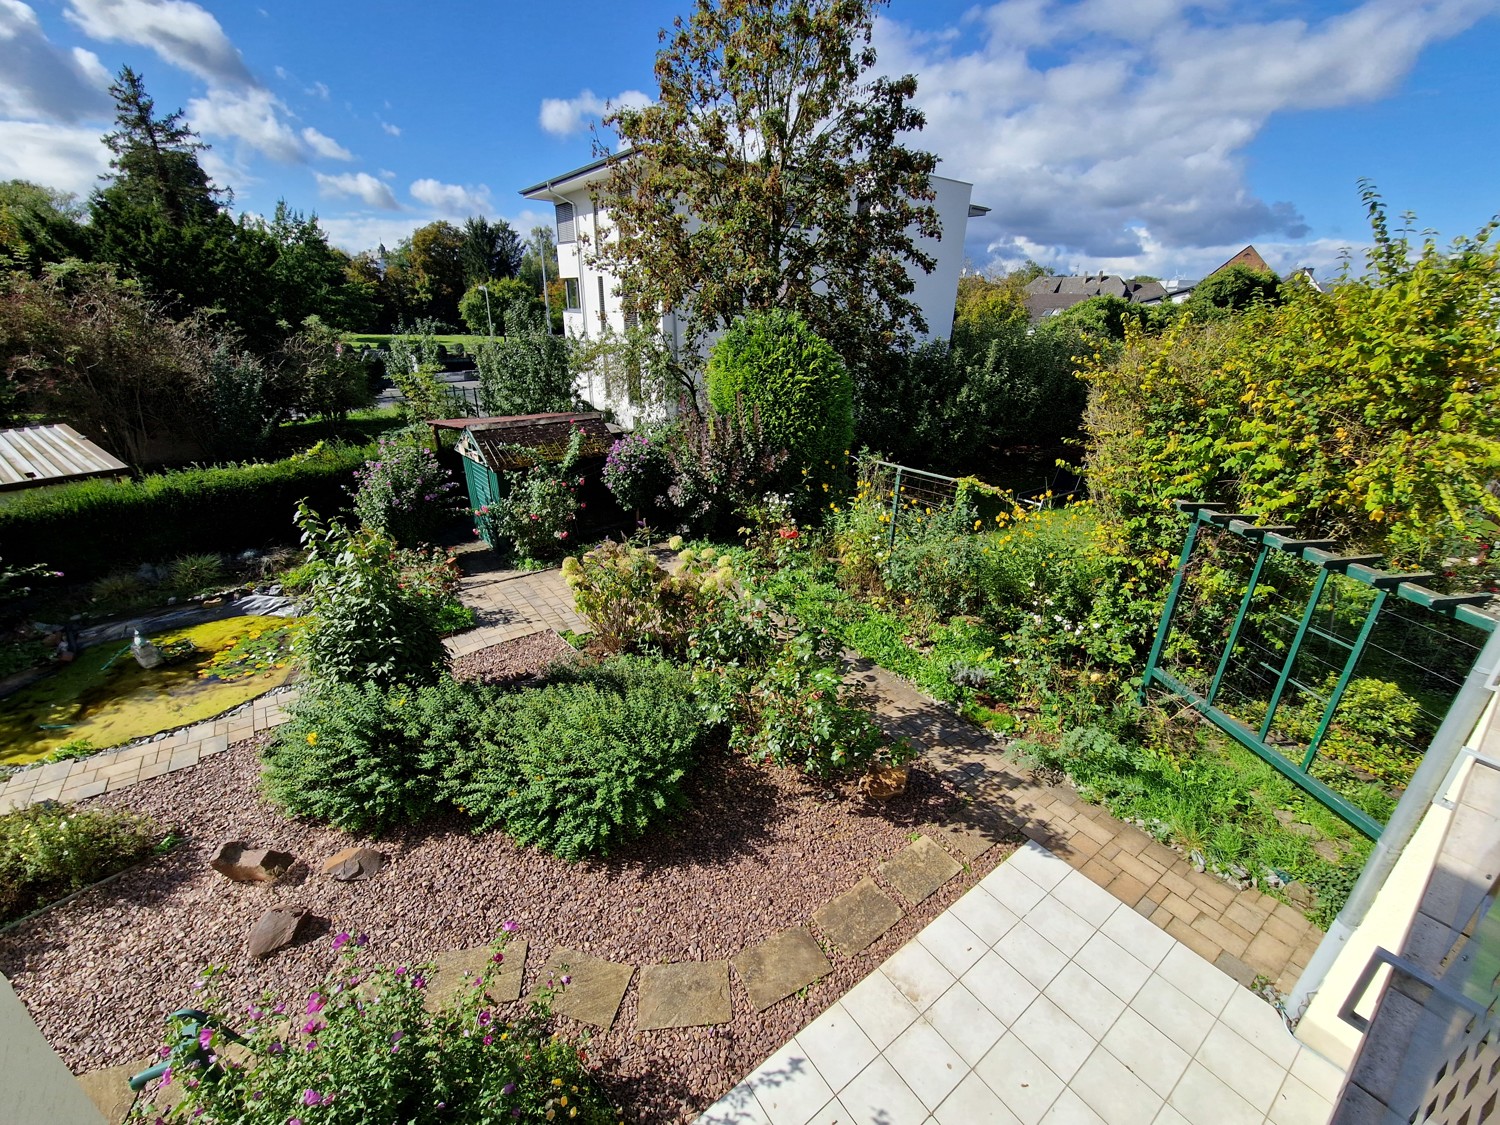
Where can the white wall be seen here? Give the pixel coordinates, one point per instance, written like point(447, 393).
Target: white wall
point(37, 1086)
point(937, 292)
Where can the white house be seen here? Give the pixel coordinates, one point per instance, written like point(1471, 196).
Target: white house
point(592, 301)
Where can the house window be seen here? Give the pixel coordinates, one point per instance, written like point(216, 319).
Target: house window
point(632, 319)
point(566, 228)
point(570, 293)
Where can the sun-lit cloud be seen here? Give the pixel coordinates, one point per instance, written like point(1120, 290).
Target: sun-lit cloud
point(325, 146)
point(391, 130)
point(40, 81)
point(369, 190)
point(182, 33)
point(69, 158)
point(562, 116)
point(1101, 133)
point(452, 200)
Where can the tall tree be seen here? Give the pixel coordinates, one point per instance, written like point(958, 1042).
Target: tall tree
point(490, 250)
point(426, 272)
point(155, 159)
point(769, 173)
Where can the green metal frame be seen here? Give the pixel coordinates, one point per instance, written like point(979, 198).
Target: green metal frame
point(1466, 608)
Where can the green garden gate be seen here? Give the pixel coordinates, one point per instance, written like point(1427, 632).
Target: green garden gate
point(1317, 553)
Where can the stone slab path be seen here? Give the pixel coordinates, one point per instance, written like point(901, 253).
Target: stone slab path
point(1039, 997)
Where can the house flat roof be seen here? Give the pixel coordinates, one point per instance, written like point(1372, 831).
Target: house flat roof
point(37, 455)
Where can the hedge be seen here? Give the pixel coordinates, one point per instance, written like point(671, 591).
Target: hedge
point(94, 527)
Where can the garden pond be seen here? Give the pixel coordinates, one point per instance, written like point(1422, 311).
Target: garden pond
point(105, 698)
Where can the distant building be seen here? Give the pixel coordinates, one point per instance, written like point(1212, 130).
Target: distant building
point(1048, 296)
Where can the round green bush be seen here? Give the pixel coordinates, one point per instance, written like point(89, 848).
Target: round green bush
point(777, 366)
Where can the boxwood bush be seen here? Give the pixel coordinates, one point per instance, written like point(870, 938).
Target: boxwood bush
point(92, 527)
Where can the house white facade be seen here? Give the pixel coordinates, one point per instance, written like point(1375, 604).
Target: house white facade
point(593, 304)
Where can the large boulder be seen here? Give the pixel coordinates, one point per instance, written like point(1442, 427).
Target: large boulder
point(276, 929)
point(354, 863)
point(237, 860)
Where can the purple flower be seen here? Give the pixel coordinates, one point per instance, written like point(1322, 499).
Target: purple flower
point(205, 1037)
point(361, 941)
point(567, 979)
point(419, 981)
point(484, 1017)
point(314, 1004)
point(498, 958)
point(312, 1097)
point(311, 1027)
point(339, 941)
point(511, 927)
point(166, 1076)
point(508, 1089)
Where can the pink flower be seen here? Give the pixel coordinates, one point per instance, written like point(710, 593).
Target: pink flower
point(312, 1097)
point(311, 1027)
point(315, 1003)
point(205, 1037)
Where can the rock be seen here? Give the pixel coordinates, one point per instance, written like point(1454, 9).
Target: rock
point(274, 931)
point(884, 782)
point(236, 860)
point(354, 863)
point(274, 591)
point(1300, 894)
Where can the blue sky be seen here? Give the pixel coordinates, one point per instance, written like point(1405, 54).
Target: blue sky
point(1132, 136)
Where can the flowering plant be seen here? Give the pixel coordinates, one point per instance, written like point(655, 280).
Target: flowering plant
point(535, 518)
point(405, 492)
point(376, 1044)
point(637, 471)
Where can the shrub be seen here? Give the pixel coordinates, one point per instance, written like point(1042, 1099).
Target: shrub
point(637, 471)
point(365, 621)
point(539, 508)
point(528, 372)
point(720, 464)
point(404, 492)
point(584, 764)
point(801, 713)
point(358, 1059)
point(48, 851)
point(638, 605)
point(794, 379)
point(93, 527)
point(361, 756)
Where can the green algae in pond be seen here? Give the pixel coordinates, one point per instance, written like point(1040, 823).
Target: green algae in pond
point(107, 698)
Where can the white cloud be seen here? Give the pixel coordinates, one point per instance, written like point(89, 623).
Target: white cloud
point(64, 157)
point(182, 33)
point(1103, 133)
point(452, 200)
point(358, 185)
point(325, 146)
point(393, 130)
point(41, 81)
point(562, 116)
point(319, 90)
point(252, 116)
point(355, 233)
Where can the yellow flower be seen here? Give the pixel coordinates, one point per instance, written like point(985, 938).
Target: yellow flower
point(557, 1082)
point(312, 738)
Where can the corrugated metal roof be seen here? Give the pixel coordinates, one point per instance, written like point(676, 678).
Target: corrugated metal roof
point(39, 455)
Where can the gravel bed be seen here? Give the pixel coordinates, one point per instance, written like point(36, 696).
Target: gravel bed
point(760, 850)
point(513, 660)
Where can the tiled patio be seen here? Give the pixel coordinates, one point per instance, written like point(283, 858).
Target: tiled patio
point(1040, 997)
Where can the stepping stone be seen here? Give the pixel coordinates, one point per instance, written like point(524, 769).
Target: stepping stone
point(595, 989)
point(918, 870)
point(970, 837)
point(109, 1089)
point(780, 965)
point(687, 994)
point(453, 974)
point(856, 918)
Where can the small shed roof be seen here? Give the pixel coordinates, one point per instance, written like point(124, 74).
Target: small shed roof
point(37, 455)
point(499, 442)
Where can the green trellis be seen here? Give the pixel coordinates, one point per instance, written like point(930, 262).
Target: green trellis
point(1465, 608)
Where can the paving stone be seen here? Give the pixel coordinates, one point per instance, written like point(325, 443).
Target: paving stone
point(1229, 963)
point(595, 987)
point(454, 972)
point(686, 994)
point(919, 869)
point(780, 965)
point(857, 917)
